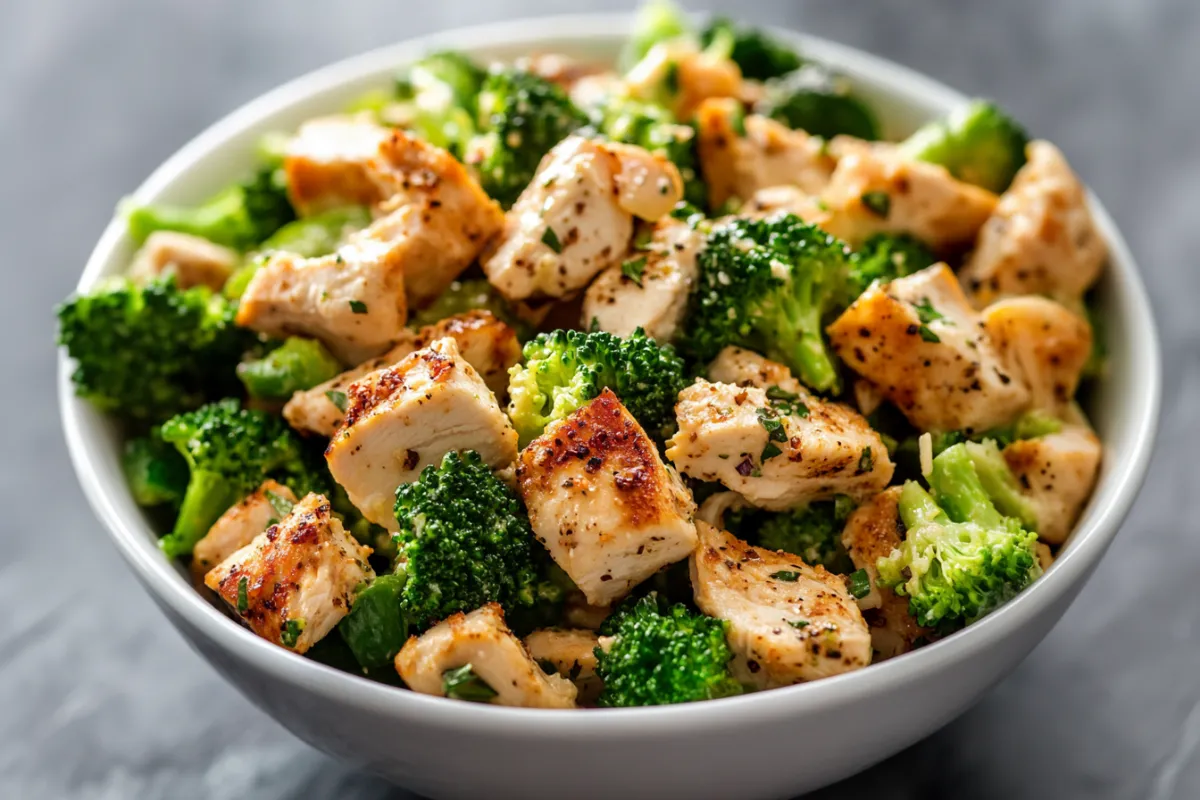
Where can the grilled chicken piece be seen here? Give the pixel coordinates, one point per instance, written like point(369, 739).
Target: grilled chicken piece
point(602, 502)
point(875, 189)
point(788, 622)
point(813, 449)
point(294, 582)
point(193, 261)
point(787, 199)
point(404, 418)
point(1044, 344)
point(743, 367)
point(572, 655)
point(482, 640)
point(655, 302)
point(328, 163)
point(920, 342)
point(1056, 473)
point(576, 217)
point(1041, 239)
point(681, 75)
point(741, 154)
point(488, 345)
point(238, 526)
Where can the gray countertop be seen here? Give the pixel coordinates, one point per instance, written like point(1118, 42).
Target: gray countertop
point(101, 699)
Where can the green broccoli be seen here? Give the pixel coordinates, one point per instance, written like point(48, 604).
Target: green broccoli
point(663, 654)
point(812, 532)
point(147, 352)
point(654, 128)
point(885, 257)
point(563, 370)
point(961, 557)
point(229, 452)
point(759, 55)
point(157, 475)
point(657, 21)
point(241, 216)
point(978, 143)
point(769, 285)
point(521, 116)
point(463, 296)
point(443, 89)
point(464, 541)
point(295, 365)
point(319, 234)
point(818, 102)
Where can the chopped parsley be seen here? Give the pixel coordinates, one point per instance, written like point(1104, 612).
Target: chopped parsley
point(866, 462)
point(550, 239)
point(926, 312)
point(878, 203)
point(786, 575)
point(927, 335)
point(770, 451)
point(859, 584)
point(786, 402)
point(798, 623)
point(338, 399)
point(291, 632)
point(280, 504)
point(776, 432)
point(358, 306)
point(243, 597)
point(463, 684)
point(633, 269)
point(642, 240)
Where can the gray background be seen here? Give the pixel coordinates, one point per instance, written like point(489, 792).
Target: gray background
point(99, 698)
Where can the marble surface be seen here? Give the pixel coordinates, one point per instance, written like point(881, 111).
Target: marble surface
point(99, 698)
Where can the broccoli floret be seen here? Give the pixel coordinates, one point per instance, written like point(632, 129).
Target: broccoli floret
point(758, 55)
point(656, 21)
point(768, 285)
point(240, 217)
point(563, 370)
point(655, 129)
point(229, 452)
point(464, 541)
point(521, 117)
point(885, 257)
point(663, 654)
point(961, 557)
point(147, 352)
point(999, 483)
point(156, 473)
point(817, 101)
point(978, 143)
point(443, 89)
point(463, 296)
point(812, 532)
point(295, 365)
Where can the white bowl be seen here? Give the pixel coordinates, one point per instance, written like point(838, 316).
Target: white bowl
point(771, 744)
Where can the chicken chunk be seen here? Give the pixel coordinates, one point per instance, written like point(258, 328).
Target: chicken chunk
point(742, 154)
point(1044, 344)
point(1041, 239)
point(920, 342)
point(328, 163)
point(786, 199)
point(192, 260)
point(602, 502)
point(488, 345)
point(621, 303)
point(576, 217)
point(776, 453)
point(238, 526)
point(743, 367)
point(788, 622)
point(875, 189)
point(296, 581)
point(680, 75)
point(404, 418)
point(481, 640)
point(1056, 473)
point(572, 655)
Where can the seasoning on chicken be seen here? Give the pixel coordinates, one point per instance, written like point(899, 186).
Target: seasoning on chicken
point(572, 654)
point(1056, 473)
point(328, 163)
point(238, 526)
point(1045, 346)
point(475, 657)
point(602, 502)
point(191, 260)
point(296, 581)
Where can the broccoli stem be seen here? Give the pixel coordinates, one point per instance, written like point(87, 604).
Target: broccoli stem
point(209, 495)
point(998, 481)
point(917, 507)
point(959, 490)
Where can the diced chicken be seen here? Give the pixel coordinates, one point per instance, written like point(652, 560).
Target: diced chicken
point(1041, 239)
point(621, 300)
point(1044, 344)
point(1056, 473)
point(238, 526)
point(482, 640)
point(742, 154)
point(920, 342)
point(681, 75)
point(602, 502)
point(193, 261)
point(296, 581)
point(488, 345)
point(576, 217)
point(788, 622)
point(786, 199)
point(743, 367)
point(404, 418)
point(875, 189)
point(776, 453)
point(328, 163)
point(572, 655)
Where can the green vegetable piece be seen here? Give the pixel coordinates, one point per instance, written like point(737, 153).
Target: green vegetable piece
point(820, 103)
point(464, 296)
point(291, 632)
point(463, 684)
point(243, 594)
point(320, 234)
point(878, 203)
point(758, 54)
point(657, 21)
point(997, 480)
point(443, 89)
point(978, 143)
point(295, 365)
point(375, 628)
point(633, 269)
point(156, 473)
point(859, 584)
point(550, 239)
point(885, 257)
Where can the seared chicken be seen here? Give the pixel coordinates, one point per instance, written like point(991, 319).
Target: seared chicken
point(572, 655)
point(238, 526)
point(788, 622)
point(328, 163)
point(1041, 239)
point(404, 418)
point(1056, 473)
point(482, 640)
point(920, 342)
point(576, 217)
point(681, 75)
point(743, 367)
point(602, 502)
point(786, 199)
point(1044, 345)
point(296, 581)
point(652, 297)
point(193, 261)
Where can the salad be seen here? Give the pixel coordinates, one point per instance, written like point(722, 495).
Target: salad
point(556, 384)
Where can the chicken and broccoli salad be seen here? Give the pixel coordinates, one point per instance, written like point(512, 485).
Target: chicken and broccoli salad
point(554, 384)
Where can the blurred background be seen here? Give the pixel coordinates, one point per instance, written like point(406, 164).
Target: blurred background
point(101, 699)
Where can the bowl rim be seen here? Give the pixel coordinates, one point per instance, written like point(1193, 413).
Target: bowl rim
point(87, 444)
